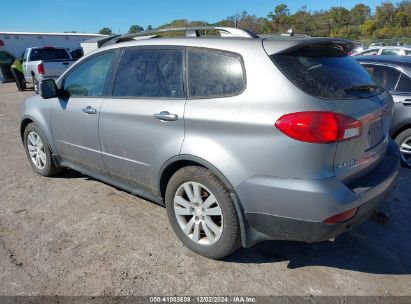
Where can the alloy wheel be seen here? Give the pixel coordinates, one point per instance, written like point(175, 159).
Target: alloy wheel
point(198, 213)
point(405, 151)
point(36, 150)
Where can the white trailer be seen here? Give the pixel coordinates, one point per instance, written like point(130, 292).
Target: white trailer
point(17, 42)
point(94, 43)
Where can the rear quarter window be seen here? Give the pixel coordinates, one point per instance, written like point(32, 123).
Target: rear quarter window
point(326, 73)
point(404, 85)
point(370, 52)
point(391, 52)
point(386, 76)
point(215, 74)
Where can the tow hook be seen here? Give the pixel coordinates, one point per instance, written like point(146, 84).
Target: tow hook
point(380, 217)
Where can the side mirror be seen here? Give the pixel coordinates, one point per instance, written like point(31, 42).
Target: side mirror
point(48, 89)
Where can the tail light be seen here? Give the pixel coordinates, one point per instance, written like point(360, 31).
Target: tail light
point(319, 127)
point(40, 69)
point(342, 217)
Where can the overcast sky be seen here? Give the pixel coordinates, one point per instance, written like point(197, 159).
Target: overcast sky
point(91, 15)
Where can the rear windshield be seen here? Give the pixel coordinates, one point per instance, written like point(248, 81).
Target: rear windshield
point(49, 54)
point(326, 72)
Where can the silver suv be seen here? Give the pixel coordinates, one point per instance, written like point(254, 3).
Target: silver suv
point(242, 139)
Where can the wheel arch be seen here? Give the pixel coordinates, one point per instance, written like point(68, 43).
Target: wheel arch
point(42, 123)
point(177, 162)
point(24, 123)
point(400, 129)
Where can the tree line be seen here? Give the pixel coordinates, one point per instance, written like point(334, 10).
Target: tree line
point(388, 20)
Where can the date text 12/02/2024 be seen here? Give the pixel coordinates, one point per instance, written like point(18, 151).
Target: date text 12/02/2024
point(204, 299)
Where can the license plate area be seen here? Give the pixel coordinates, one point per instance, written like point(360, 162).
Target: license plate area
point(375, 133)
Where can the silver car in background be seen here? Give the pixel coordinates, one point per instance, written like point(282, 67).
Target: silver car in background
point(394, 74)
point(41, 63)
point(385, 50)
point(243, 139)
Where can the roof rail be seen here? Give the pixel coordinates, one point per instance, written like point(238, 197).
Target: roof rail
point(190, 32)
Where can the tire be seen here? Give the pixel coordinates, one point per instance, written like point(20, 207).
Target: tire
point(2, 78)
point(203, 214)
point(35, 85)
point(402, 139)
point(47, 166)
point(23, 83)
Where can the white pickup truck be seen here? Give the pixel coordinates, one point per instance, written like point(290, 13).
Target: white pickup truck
point(41, 63)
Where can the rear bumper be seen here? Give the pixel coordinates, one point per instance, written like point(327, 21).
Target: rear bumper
point(293, 209)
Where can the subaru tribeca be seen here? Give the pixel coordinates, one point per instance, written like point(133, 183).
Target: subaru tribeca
point(242, 139)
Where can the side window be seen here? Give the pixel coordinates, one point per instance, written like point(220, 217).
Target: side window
point(89, 77)
point(370, 69)
point(76, 54)
point(386, 76)
point(212, 74)
point(5, 58)
point(391, 52)
point(150, 73)
point(404, 85)
point(10, 58)
point(370, 52)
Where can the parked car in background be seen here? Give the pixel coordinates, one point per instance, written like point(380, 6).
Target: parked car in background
point(76, 53)
point(41, 63)
point(372, 50)
point(359, 47)
point(6, 60)
point(394, 73)
point(386, 50)
point(243, 139)
point(377, 44)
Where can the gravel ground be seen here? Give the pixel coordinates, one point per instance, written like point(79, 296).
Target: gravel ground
point(73, 235)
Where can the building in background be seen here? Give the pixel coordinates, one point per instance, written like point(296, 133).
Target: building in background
point(17, 42)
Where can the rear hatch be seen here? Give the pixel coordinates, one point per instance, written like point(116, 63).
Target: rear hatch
point(322, 69)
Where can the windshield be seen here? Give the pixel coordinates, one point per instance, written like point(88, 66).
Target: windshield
point(327, 73)
point(49, 54)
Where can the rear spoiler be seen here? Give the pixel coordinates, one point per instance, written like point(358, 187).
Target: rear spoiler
point(285, 46)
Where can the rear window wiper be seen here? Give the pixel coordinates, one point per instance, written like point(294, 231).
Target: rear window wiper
point(363, 88)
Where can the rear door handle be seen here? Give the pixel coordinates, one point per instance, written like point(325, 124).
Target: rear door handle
point(89, 110)
point(166, 116)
